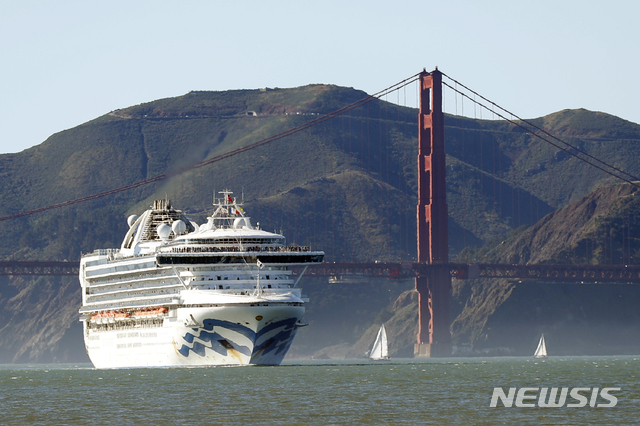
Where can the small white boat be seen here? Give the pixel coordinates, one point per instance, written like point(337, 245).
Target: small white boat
point(541, 350)
point(380, 349)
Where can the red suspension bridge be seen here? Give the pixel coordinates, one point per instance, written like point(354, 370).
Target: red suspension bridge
point(432, 271)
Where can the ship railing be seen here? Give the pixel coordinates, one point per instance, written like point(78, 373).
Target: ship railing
point(168, 300)
point(144, 276)
point(119, 302)
point(94, 294)
point(104, 252)
point(129, 324)
point(235, 249)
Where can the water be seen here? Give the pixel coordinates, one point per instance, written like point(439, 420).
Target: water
point(398, 392)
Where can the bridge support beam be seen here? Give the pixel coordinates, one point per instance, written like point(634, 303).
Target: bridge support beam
point(434, 289)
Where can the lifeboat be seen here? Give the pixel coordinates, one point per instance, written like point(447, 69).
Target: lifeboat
point(109, 317)
point(121, 316)
point(151, 313)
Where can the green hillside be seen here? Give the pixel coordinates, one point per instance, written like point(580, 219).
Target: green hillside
point(577, 318)
point(347, 186)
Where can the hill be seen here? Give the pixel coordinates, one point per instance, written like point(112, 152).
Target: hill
point(576, 318)
point(347, 186)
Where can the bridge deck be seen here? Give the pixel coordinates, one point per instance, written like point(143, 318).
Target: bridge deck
point(399, 270)
point(563, 273)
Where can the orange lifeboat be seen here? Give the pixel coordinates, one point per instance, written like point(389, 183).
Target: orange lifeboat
point(156, 312)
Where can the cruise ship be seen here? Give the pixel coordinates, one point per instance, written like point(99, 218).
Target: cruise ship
point(179, 294)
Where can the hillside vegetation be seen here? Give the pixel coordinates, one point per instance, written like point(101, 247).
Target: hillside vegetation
point(347, 186)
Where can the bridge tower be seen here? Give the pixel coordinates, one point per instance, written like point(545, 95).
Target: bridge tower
point(434, 289)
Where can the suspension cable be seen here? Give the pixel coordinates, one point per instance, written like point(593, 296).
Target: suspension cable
point(528, 130)
point(228, 154)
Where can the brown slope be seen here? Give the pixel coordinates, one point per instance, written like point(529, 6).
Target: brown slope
point(580, 319)
point(562, 229)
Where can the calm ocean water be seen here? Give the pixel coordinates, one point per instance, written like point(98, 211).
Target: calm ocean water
point(413, 392)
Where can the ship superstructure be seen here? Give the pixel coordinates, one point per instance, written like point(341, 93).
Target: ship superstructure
point(180, 294)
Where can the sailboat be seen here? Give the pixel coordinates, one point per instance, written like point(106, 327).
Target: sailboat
point(541, 350)
point(380, 349)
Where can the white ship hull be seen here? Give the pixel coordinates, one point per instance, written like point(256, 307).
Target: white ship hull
point(178, 294)
point(207, 336)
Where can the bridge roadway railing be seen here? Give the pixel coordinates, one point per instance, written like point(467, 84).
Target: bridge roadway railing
point(546, 272)
point(39, 267)
point(398, 270)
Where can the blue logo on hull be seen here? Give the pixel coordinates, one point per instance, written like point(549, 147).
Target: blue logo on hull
point(277, 345)
point(216, 342)
point(274, 346)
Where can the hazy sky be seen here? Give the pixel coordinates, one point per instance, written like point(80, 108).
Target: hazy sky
point(66, 62)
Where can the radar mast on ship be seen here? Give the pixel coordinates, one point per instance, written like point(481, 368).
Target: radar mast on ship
point(228, 213)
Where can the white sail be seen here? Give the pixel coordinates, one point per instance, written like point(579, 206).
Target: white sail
point(541, 351)
point(380, 349)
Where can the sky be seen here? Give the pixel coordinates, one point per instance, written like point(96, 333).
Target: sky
point(64, 63)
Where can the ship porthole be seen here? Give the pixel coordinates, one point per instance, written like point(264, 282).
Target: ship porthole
point(259, 317)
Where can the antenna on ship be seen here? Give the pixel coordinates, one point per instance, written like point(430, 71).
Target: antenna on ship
point(258, 292)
